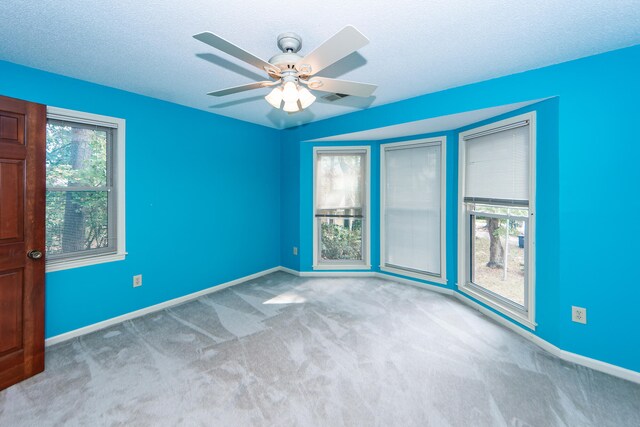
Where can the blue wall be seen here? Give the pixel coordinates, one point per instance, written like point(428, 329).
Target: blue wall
point(195, 182)
point(588, 177)
point(290, 206)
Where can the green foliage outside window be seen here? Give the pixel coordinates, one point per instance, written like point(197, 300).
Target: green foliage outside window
point(341, 239)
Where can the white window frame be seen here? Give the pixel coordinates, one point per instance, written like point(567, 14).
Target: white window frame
point(442, 141)
point(525, 317)
point(365, 264)
point(118, 167)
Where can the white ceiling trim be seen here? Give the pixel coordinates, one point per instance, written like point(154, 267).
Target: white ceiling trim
point(425, 126)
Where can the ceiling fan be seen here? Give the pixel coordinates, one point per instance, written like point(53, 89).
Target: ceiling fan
point(292, 72)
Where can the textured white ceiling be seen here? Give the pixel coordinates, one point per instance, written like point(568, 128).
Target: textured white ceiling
point(417, 46)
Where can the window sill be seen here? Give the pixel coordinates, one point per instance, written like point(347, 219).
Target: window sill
point(515, 315)
point(83, 262)
point(414, 275)
point(342, 267)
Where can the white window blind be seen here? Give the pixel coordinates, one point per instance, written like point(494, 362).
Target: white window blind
point(497, 165)
point(340, 182)
point(412, 207)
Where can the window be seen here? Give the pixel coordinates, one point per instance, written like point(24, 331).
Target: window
point(341, 208)
point(413, 209)
point(497, 206)
point(85, 189)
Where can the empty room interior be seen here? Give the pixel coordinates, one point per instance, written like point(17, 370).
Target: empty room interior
point(319, 214)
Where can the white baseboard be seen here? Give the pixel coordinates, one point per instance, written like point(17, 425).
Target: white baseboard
point(322, 273)
point(435, 288)
point(290, 271)
point(382, 275)
point(578, 359)
point(132, 315)
point(336, 273)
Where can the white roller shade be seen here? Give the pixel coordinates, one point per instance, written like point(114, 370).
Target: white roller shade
point(340, 181)
point(412, 207)
point(497, 165)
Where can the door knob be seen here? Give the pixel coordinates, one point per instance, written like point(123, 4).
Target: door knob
point(34, 254)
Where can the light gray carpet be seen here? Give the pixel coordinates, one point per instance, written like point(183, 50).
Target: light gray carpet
point(287, 351)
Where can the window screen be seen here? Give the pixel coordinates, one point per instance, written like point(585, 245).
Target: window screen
point(412, 207)
point(80, 204)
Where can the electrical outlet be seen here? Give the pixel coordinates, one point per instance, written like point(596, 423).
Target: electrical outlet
point(579, 314)
point(137, 280)
point(295, 250)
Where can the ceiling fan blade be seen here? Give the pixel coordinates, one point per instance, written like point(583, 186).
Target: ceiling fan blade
point(343, 43)
point(241, 88)
point(233, 50)
point(346, 87)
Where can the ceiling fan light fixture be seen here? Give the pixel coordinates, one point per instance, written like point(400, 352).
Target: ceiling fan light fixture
point(275, 97)
point(306, 97)
point(290, 92)
point(291, 107)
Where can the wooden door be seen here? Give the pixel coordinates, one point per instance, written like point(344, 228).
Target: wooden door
point(22, 216)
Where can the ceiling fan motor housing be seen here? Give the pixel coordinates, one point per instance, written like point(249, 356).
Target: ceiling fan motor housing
point(289, 42)
point(285, 61)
